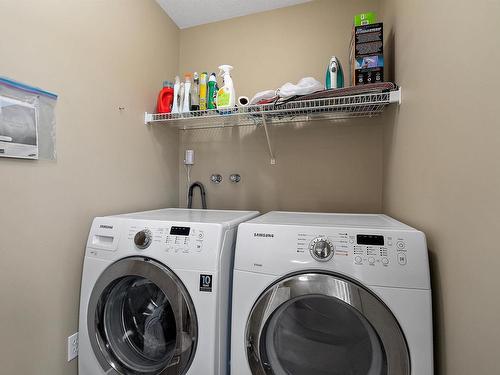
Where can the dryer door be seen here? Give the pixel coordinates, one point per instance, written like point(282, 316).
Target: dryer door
point(141, 320)
point(324, 324)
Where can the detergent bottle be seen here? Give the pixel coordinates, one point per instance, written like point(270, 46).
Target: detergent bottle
point(212, 91)
point(181, 97)
point(186, 104)
point(203, 91)
point(195, 93)
point(165, 98)
point(226, 96)
point(177, 88)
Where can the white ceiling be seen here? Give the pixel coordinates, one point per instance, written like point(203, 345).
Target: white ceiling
point(188, 13)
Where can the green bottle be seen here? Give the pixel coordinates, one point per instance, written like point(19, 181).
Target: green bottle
point(212, 91)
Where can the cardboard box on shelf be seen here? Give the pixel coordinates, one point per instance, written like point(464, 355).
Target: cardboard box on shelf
point(367, 54)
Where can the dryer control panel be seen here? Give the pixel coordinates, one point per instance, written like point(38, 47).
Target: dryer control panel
point(363, 249)
point(378, 250)
point(376, 256)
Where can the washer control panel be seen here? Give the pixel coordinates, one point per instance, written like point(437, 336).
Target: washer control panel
point(173, 239)
point(183, 241)
point(370, 250)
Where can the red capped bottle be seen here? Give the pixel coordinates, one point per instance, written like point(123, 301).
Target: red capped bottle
point(165, 98)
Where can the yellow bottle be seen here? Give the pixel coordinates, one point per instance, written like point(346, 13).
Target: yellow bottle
point(203, 91)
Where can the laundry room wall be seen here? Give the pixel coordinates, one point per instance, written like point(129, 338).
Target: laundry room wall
point(441, 170)
point(97, 55)
point(320, 166)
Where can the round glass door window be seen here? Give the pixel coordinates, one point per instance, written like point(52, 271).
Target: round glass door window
point(136, 321)
point(321, 335)
point(323, 324)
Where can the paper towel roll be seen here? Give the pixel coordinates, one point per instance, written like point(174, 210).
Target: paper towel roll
point(243, 101)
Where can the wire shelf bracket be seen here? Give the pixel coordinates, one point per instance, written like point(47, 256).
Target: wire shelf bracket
point(269, 146)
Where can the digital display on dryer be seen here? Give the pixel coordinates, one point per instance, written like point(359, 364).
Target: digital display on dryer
point(370, 239)
point(180, 231)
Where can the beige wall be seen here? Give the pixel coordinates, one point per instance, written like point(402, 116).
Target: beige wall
point(433, 164)
point(320, 167)
point(97, 55)
point(442, 171)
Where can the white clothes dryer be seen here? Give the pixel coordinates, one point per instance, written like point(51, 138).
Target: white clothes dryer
point(155, 293)
point(328, 294)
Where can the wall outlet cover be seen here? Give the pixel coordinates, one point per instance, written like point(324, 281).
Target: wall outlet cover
point(72, 346)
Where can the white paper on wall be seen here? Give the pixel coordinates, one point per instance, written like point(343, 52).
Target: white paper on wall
point(18, 129)
point(27, 121)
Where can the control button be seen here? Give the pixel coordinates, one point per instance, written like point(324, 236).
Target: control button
point(371, 260)
point(321, 249)
point(201, 235)
point(389, 243)
point(402, 258)
point(199, 246)
point(385, 261)
point(351, 240)
point(358, 260)
point(400, 245)
point(142, 239)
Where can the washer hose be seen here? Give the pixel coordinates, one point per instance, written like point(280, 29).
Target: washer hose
point(202, 192)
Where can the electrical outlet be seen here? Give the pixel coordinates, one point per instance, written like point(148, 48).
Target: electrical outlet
point(72, 346)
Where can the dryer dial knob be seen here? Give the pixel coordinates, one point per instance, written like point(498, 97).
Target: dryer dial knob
point(143, 239)
point(321, 249)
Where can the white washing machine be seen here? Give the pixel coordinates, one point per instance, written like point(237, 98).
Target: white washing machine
point(331, 294)
point(155, 293)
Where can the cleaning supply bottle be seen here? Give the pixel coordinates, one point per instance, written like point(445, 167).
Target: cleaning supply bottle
point(186, 106)
point(195, 93)
point(212, 91)
point(165, 98)
point(181, 97)
point(334, 75)
point(177, 89)
point(226, 96)
point(203, 91)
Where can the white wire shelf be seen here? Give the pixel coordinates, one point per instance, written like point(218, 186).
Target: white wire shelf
point(334, 108)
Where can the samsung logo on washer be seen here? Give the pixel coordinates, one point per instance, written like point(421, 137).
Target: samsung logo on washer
point(106, 226)
point(264, 235)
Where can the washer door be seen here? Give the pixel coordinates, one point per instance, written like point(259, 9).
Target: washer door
point(323, 324)
point(141, 320)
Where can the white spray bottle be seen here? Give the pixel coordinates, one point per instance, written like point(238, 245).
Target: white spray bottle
point(177, 87)
point(181, 97)
point(186, 107)
point(226, 96)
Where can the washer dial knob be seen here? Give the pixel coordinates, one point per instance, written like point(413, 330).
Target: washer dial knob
point(321, 249)
point(143, 238)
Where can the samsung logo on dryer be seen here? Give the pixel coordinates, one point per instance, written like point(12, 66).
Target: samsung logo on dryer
point(264, 235)
point(105, 226)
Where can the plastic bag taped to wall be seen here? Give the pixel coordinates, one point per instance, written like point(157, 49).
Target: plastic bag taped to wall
point(27, 121)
